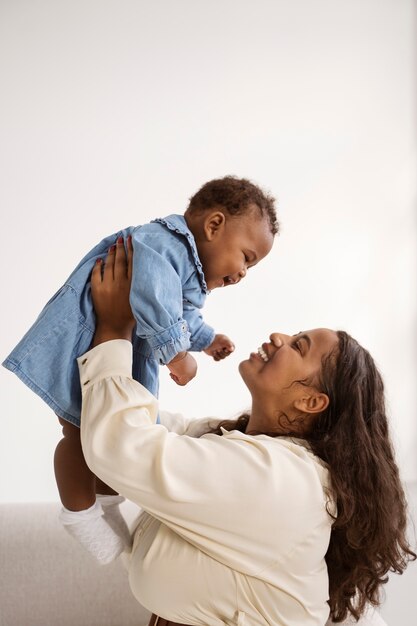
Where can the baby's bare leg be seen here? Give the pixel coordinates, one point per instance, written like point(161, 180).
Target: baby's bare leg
point(76, 482)
point(77, 485)
point(104, 489)
point(82, 516)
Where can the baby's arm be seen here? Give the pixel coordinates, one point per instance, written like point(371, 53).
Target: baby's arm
point(203, 337)
point(220, 347)
point(182, 368)
point(156, 301)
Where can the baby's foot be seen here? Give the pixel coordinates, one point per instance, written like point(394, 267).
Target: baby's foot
point(90, 528)
point(114, 518)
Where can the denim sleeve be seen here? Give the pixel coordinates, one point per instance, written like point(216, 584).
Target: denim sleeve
point(156, 301)
point(202, 334)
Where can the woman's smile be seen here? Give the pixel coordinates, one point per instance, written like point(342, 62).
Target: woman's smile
point(264, 351)
point(263, 354)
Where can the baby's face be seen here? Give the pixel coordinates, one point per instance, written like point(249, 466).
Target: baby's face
point(242, 243)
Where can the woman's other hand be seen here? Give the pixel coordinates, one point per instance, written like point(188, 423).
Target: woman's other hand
point(110, 288)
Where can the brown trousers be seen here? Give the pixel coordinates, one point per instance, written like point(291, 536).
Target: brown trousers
point(160, 621)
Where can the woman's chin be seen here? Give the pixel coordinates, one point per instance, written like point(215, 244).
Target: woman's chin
point(245, 368)
point(253, 359)
point(242, 368)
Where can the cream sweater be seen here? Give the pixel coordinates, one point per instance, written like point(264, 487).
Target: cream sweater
point(234, 529)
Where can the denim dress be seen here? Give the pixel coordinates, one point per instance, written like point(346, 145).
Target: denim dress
point(167, 292)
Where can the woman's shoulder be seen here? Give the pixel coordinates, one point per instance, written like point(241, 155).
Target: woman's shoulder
point(294, 451)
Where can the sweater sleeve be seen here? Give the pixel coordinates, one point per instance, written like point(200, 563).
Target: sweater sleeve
point(177, 423)
point(206, 489)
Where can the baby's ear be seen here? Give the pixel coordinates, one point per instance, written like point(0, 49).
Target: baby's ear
point(214, 223)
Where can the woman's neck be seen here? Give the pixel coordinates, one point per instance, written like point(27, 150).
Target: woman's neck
point(261, 422)
point(273, 422)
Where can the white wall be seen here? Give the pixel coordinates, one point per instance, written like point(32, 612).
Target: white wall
point(112, 113)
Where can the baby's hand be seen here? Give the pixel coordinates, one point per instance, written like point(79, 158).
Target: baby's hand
point(182, 368)
point(220, 347)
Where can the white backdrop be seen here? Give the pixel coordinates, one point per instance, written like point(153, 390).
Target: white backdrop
point(112, 113)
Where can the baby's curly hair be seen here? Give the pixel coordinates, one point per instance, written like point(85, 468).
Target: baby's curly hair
point(236, 195)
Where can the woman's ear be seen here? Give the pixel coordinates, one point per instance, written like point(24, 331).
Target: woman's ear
point(314, 403)
point(214, 224)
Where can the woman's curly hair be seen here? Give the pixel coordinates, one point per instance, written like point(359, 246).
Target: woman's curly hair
point(368, 537)
point(236, 196)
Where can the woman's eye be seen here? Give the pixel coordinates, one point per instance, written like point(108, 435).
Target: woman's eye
point(297, 345)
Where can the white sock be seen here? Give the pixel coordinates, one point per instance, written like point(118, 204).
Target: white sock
point(93, 532)
point(114, 518)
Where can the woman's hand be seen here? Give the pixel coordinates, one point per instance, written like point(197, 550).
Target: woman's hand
point(110, 288)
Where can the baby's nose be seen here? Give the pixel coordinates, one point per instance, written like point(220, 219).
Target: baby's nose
point(235, 278)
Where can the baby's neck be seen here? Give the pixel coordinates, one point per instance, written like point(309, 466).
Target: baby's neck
point(195, 225)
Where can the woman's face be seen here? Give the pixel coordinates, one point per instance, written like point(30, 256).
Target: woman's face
point(273, 375)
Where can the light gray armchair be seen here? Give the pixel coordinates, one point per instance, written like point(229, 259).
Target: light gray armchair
point(47, 579)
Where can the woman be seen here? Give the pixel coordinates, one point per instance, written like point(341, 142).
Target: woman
point(269, 519)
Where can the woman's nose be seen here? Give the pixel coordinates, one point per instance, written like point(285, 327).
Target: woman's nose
point(277, 339)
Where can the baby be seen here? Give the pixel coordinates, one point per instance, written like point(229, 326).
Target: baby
point(228, 227)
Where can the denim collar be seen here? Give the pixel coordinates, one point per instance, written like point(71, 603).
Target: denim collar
point(178, 224)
